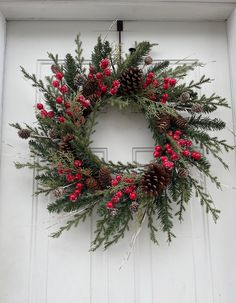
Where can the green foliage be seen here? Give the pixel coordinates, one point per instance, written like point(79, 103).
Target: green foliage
point(70, 71)
point(101, 51)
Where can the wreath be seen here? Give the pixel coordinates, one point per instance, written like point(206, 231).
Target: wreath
point(178, 117)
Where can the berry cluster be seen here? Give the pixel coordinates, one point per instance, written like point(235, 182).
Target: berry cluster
point(128, 191)
point(72, 177)
point(167, 153)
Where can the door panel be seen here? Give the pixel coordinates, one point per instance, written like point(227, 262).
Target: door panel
point(38, 269)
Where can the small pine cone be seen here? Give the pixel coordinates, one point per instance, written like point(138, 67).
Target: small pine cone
point(180, 122)
point(183, 173)
point(104, 176)
point(52, 134)
point(155, 179)
point(58, 192)
point(78, 80)
point(197, 108)
point(131, 81)
point(55, 69)
point(92, 183)
point(148, 60)
point(114, 212)
point(24, 133)
point(65, 145)
point(184, 97)
point(134, 207)
point(163, 123)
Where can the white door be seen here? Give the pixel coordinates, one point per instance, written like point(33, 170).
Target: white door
point(198, 267)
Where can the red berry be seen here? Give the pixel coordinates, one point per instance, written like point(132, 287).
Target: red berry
point(178, 132)
point(176, 137)
point(59, 99)
point(77, 192)
point(60, 171)
point(172, 82)
point(81, 98)
point(44, 113)
point(153, 97)
point(114, 182)
point(118, 178)
point(109, 204)
point(163, 101)
point(196, 156)
point(79, 186)
point(170, 133)
point(99, 75)
point(113, 91)
point(165, 86)
point(90, 76)
point(68, 112)
point(186, 153)
point(64, 89)
point(119, 194)
point(165, 96)
point(70, 178)
point(39, 106)
point(116, 83)
point(167, 145)
point(156, 154)
point(181, 142)
point(189, 143)
point(104, 63)
point(128, 190)
point(73, 197)
point(78, 177)
point(115, 199)
point(67, 170)
point(133, 196)
point(174, 157)
point(50, 114)
point(55, 83)
point(166, 80)
point(169, 151)
point(107, 72)
point(148, 81)
point(77, 163)
point(155, 83)
point(91, 69)
point(67, 104)
point(164, 158)
point(150, 75)
point(158, 148)
point(168, 164)
point(85, 103)
point(59, 75)
point(103, 88)
point(61, 119)
point(144, 85)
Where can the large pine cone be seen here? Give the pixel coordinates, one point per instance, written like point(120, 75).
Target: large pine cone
point(90, 88)
point(65, 145)
point(131, 81)
point(155, 179)
point(180, 122)
point(24, 133)
point(104, 176)
point(163, 123)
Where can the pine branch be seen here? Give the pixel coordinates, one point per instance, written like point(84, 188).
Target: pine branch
point(101, 51)
point(79, 58)
point(206, 123)
point(70, 71)
point(205, 200)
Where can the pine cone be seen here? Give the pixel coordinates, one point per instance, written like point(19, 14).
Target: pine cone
point(58, 192)
point(78, 80)
point(131, 81)
point(90, 88)
point(148, 60)
point(134, 207)
point(163, 123)
point(114, 212)
point(184, 97)
point(24, 133)
point(92, 183)
point(197, 108)
point(52, 134)
point(65, 145)
point(180, 122)
point(155, 179)
point(104, 176)
point(183, 173)
point(55, 69)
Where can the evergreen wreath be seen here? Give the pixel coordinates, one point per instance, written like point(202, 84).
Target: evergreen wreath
point(179, 120)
